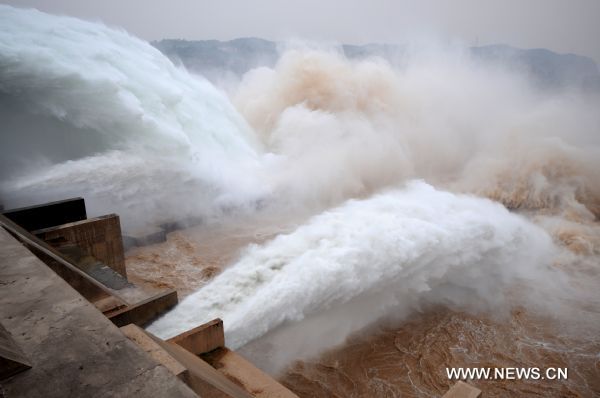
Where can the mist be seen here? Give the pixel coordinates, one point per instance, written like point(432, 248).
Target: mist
point(434, 180)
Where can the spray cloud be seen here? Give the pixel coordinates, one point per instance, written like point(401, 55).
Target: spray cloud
point(316, 134)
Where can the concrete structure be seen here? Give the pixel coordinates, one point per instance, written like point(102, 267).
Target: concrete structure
point(49, 214)
point(99, 237)
point(235, 367)
point(213, 373)
point(74, 350)
point(200, 376)
point(77, 277)
point(145, 311)
point(56, 342)
point(107, 289)
point(202, 339)
point(12, 359)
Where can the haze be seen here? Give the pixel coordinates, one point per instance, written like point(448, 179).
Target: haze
point(562, 26)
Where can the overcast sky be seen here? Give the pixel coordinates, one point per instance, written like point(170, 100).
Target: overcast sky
point(560, 25)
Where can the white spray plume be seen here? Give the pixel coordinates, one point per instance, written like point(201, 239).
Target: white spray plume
point(151, 141)
point(102, 85)
point(331, 128)
point(366, 259)
point(346, 128)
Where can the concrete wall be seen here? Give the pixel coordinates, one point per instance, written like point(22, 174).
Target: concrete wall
point(202, 339)
point(100, 237)
point(48, 214)
point(74, 350)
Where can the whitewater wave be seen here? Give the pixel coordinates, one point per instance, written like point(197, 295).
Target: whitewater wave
point(81, 93)
point(348, 128)
point(90, 110)
point(366, 259)
point(311, 132)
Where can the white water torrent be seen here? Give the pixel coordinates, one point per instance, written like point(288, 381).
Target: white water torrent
point(134, 121)
point(367, 259)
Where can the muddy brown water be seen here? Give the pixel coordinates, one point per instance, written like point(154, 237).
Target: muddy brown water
point(404, 359)
point(410, 360)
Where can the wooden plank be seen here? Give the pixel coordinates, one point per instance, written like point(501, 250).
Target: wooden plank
point(203, 338)
point(12, 358)
point(100, 237)
point(48, 214)
point(145, 311)
point(462, 390)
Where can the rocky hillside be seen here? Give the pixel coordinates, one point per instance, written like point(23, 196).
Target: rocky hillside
point(213, 59)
